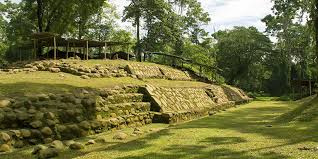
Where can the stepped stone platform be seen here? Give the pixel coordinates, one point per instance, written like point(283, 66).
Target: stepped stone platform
point(43, 118)
point(48, 117)
point(74, 67)
point(181, 104)
point(149, 71)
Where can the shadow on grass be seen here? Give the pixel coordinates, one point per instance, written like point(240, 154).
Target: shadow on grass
point(258, 120)
point(250, 120)
point(137, 144)
point(306, 111)
point(247, 120)
point(223, 140)
point(200, 152)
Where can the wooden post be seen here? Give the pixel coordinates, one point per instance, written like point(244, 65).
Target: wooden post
point(54, 39)
point(310, 88)
point(105, 52)
point(67, 48)
point(293, 88)
point(87, 50)
point(144, 57)
point(34, 49)
point(47, 54)
point(20, 54)
point(74, 50)
point(110, 51)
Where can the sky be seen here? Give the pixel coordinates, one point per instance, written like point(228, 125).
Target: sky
point(225, 14)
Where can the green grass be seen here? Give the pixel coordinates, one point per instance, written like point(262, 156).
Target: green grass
point(266, 99)
point(239, 133)
point(22, 84)
point(91, 63)
point(306, 111)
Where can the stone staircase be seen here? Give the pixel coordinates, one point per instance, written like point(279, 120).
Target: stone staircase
point(124, 108)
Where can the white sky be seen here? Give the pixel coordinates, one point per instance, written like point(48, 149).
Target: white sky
point(224, 13)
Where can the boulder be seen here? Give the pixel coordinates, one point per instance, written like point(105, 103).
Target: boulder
point(85, 77)
point(48, 153)
point(120, 136)
point(69, 142)
point(25, 133)
point(91, 142)
point(46, 131)
point(36, 124)
point(138, 132)
point(43, 97)
point(15, 133)
point(54, 70)
point(5, 103)
point(47, 140)
point(36, 133)
point(50, 115)
point(76, 146)
point(5, 148)
point(28, 66)
point(4, 137)
point(57, 144)
point(38, 148)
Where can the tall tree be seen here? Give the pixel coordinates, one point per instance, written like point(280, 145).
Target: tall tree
point(285, 13)
point(134, 11)
point(239, 52)
point(166, 23)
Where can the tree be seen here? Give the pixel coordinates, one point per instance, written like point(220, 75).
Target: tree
point(285, 13)
point(134, 11)
point(240, 52)
point(3, 36)
point(166, 24)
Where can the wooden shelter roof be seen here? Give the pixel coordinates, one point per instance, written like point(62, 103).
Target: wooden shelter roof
point(47, 39)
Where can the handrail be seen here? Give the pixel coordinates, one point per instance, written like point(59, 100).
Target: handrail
point(184, 60)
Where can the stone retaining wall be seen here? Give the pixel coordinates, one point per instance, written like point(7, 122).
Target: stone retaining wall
point(149, 71)
point(47, 117)
point(44, 118)
point(102, 71)
point(144, 71)
point(182, 104)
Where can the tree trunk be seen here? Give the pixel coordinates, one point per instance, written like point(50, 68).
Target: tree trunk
point(40, 15)
point(80, 30)
point(138, 39)
point(316, 26)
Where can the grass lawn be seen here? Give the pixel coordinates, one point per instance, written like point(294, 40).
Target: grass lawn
point(22, 84)
point(249, 131)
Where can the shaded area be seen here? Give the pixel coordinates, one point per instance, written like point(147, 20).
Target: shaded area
point(223, 140)
point(233, 139)
point(306, 111)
